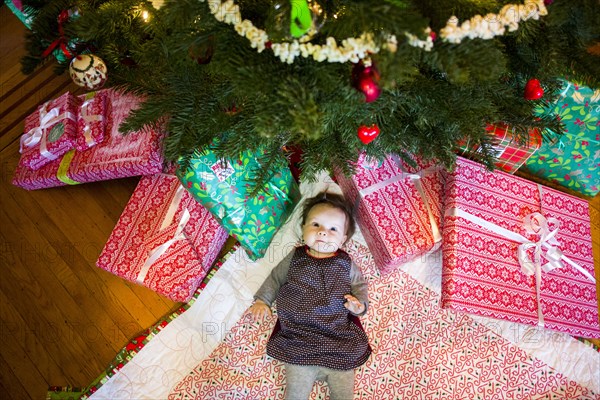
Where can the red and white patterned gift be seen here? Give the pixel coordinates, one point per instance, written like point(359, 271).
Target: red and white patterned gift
point(49, 132)
point(91, 119)
point(510, 153)
point(399, 212)
point(488, 241)
point(118, 156)
point(164, 239)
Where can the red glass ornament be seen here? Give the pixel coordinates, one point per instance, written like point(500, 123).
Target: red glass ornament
point(370, 89)
point(367, 134)
point(366, 80)
point(533, 90)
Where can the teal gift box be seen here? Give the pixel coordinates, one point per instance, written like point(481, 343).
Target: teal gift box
point(573, 159)
point(224, 187)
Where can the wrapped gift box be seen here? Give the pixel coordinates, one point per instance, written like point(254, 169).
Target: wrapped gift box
point(487, 266)
point(164, 239)
point(118, 156)
point(224, 187)
point(510, 154)
point(50, 132)
point(91, 119)
point(573, 159)
point(399, 212)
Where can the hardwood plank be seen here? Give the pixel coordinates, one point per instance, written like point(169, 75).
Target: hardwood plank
point(60, 246)
point(16, 333)
point(54, 316)
point(11, 383)
point(24, 369)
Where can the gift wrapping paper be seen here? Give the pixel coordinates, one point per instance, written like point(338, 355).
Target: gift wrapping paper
point(91, 119)
point(164, 239)
point(118, 156)
point(487, 273)
point(510, 154)
point(573, 159)
point(49, 132)
point(224, 186)
point(399, 211)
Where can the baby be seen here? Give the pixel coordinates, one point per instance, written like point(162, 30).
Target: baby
point(319, 293)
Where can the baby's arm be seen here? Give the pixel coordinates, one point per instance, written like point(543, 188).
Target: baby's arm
point(358, 301)
point(266, 295)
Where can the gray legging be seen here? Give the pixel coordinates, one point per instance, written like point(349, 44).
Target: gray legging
point(300, 380)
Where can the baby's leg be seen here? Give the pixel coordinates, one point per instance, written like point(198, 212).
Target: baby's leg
point(299, 381)
point(341, 384)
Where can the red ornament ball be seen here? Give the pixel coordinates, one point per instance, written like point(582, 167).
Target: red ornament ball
point(367, 134)
point(533, 90)
point(365, 79)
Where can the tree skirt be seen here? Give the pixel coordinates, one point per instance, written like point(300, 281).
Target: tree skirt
point(420, 351)
point(213, 350)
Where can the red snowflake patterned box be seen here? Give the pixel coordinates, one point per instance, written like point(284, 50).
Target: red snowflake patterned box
point(164, 239)
point(50, 132)
point(117, 156)
point(516, 250)
point(398, 208)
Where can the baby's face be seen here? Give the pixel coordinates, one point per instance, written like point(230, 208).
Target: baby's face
point(324, 230)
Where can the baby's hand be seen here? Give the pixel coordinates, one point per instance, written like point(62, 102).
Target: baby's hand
point(353, 305)
point(259, 310)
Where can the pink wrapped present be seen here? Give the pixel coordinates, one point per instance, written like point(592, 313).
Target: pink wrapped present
point(49, 132)
point(518, 251)
point(164, 239)
point(118, 156)
point(91, 119)
point(398, 210)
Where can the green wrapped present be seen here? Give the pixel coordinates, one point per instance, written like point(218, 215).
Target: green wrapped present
point(573, 159)
point(224, 187)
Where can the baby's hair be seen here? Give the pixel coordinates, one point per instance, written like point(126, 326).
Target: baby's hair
point(336, 201)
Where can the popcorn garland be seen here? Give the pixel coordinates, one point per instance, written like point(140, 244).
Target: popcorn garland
point(359, 49)
point(493, 24)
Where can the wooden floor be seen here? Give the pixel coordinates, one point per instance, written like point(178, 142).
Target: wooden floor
point(62, 320)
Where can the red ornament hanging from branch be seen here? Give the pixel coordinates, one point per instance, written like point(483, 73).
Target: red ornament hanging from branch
point(367, 134)
point(533, 90)
point(366, 80)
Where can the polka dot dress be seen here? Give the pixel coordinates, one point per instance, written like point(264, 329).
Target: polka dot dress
point(315, 326)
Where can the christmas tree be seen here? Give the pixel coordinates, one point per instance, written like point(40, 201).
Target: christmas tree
point(331, 77)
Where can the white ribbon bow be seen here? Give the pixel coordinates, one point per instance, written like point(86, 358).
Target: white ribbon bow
point(537, 224)
point(37, 135)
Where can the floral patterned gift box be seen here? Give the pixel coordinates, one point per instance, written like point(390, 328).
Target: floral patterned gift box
point(224, 186)
point(573, 159)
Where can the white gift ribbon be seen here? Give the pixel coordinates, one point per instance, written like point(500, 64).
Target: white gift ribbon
point(38, 134)
point(155, 253)
point(416, 178)
point(88, 119)
point(537, 224)
point(158, 251)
